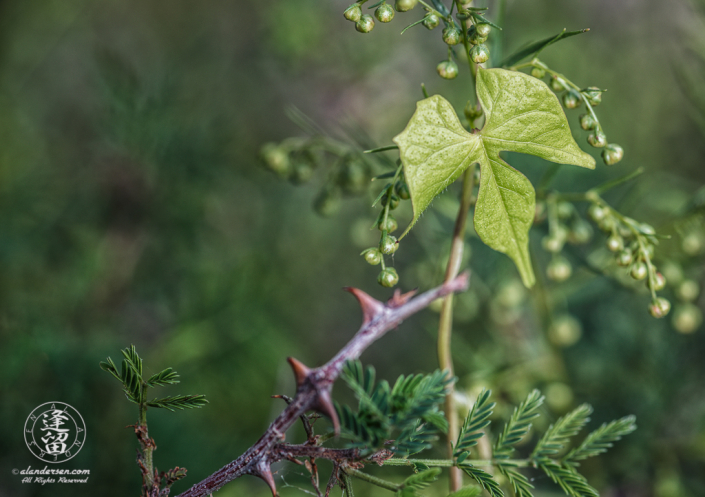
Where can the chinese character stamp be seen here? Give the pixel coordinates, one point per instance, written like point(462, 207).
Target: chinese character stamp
point(54, 432)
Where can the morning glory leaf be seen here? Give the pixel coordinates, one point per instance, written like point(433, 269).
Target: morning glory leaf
point(521, 115)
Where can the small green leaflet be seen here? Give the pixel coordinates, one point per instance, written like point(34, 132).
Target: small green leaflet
point(521, 115)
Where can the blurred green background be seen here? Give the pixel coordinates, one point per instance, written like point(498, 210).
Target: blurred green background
point(133, 210)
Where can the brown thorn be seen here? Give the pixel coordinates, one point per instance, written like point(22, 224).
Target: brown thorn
point(265, 472)
point(300, 371)
point(324, 405)
point(371, 307)
point(399, 299)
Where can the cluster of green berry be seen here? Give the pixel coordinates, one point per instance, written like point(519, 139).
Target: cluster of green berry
point(389, 199)
point(564, 225)
point(291, 159)
point(687, 316)
point(364, 23)
point(633, 244)
point(454, 33)
point(295, 159)
point(572, 99)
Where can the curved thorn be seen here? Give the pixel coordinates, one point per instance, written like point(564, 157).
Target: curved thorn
point(399, 299)
point(265, 472)
point(300, 370)
point(371, 307)
point(324, 405)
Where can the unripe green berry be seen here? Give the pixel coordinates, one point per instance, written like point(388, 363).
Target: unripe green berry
point(580, 232)
point(658, 282)
point(587, 122)
point(390, 226)
point(452, 35)
point(388, 277)
point(693, 243)
point(639, 271)
point(538, 73)
point(393, 201)
point(556, 85)
point(405, 5)
point(302, 172)
point(354, 176)
point(565, 331)
point(353, 13)
point(474, 37)
point(571, 100)
point(564, 209)
point(384, 13)
point(673, 273)
point(625, 258)
point(597, 213)
point(480, 53)
point(327, 203)
point(275, 158)
point(365, 24)
point(597, 139)
point(483, 29)
point(552, 244)
point(688, 290)
point(472, 113)
point(372, 256)
point(559, 269)
point(593, 95)
point(608, 224)
point(402, 189)
point(659, 307)
point(388, 245)
point(447, 69)
point(687, 318)
point(612, 154)
point(431, 21)
point(615, 243)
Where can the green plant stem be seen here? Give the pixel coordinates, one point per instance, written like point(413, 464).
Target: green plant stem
point(445, 325)
point(450, 463)
point(371, 479)
point(611, 184)
point(348, 486)
point(466, 41)
point(390, 192)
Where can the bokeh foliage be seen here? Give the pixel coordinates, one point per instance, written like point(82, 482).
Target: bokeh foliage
point(133, 210)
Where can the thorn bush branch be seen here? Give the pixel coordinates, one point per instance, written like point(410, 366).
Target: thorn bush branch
point(314, 386)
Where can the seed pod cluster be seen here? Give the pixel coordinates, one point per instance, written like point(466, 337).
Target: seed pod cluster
point(454, 33)
point(297, 159)
point(633, 244)
point(390, 197)
point(572, 99)
point(564, 226)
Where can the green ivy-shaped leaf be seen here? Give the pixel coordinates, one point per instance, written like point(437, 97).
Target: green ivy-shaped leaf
point(521, 115)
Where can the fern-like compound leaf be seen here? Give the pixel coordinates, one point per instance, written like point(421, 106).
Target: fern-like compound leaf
point(518, 426)
point(179, 402)
point(601, 439)
point(558, 434)
point(475, 422)
point(163, 378)
point(571, 482)
point(483, 478)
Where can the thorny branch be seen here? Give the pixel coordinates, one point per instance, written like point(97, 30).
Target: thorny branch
point(313, 391)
